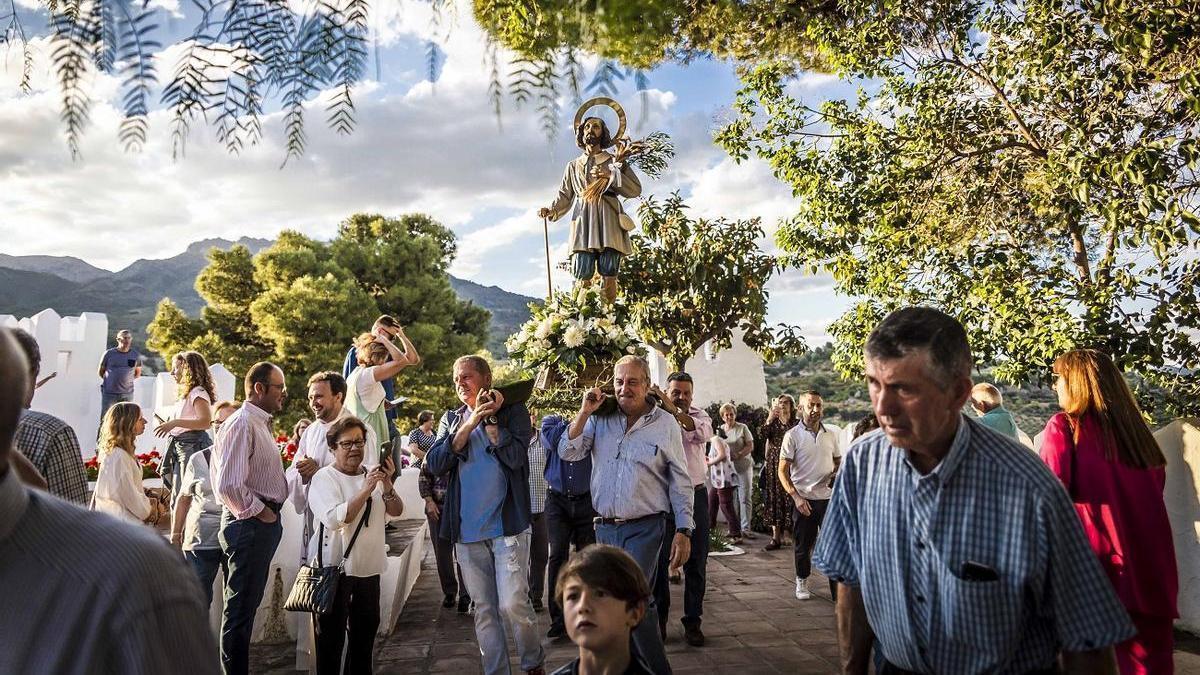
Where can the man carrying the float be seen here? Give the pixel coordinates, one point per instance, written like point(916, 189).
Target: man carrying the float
point(593, 183)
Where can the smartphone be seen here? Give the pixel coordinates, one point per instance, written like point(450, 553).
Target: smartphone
point(385, 450)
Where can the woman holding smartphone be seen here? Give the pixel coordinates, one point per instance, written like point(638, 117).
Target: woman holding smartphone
point(350, 506)
point(379, 359)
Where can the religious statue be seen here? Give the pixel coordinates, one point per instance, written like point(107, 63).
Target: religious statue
point(592, 187)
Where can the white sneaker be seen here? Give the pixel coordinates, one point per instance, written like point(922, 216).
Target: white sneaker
point(802, 589)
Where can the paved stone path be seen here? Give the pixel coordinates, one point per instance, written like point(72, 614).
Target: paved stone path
point(752, 621)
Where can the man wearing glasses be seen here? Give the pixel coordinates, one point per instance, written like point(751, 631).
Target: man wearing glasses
point(247, 473)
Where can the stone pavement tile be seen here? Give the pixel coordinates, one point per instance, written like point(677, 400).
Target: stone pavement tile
point(826, 651)
point(392, 651)
point(1187, 664)
point(401, 667)
point(705, 658)
point(454, 664)
point(771, 639)
point(733, 617)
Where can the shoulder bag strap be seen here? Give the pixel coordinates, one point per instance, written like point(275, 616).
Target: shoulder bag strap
point(320, 544)
point(366, 516)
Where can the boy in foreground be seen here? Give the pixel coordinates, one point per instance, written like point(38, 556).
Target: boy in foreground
point(603, 594)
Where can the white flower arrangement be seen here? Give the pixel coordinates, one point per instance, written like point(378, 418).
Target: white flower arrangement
point(573, 330)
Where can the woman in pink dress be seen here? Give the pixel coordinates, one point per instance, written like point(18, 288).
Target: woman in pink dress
point(1103, 452)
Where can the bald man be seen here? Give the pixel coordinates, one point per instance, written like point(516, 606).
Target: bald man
point(96, 594)
point(989, 405)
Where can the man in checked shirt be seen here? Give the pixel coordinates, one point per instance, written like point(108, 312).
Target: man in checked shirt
point(953, 542)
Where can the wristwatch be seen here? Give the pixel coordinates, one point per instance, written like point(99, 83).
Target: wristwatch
point(685, 531)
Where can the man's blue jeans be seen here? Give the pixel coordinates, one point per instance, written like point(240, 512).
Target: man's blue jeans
point(695, 570)
point(206, 562)
point(107, 401)
point(249, 546)
point(496, 573)
point(643, 540)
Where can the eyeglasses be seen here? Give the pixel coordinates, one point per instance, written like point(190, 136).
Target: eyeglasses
point(352, 445)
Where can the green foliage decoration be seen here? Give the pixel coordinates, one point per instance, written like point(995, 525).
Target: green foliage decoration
point(690, 281)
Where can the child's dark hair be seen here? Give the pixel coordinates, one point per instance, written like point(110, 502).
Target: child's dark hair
point(608, 568)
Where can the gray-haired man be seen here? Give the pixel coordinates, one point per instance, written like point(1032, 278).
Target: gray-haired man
point(639, 475)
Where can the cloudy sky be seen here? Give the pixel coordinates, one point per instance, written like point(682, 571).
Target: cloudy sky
point(433, 147)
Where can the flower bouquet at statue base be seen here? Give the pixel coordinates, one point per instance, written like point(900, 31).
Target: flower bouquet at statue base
point(574, 339)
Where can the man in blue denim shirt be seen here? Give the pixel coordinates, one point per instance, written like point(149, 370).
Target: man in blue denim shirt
point(483, 447)
point(569, 512)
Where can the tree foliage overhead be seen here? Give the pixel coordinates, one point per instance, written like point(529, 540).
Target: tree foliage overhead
point(1031, 169)
point(644, 33)
point(1029, 166)
point(300, 303)
point(236, 57)
point(690, 281)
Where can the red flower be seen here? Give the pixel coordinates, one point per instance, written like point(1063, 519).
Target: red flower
point(154, 453)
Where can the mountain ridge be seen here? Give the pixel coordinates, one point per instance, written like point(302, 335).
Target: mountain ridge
point(130, 296)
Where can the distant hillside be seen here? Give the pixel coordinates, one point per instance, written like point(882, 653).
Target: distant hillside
point(847, 401)
point(71, 269)
point(129, 297)
point(509, 310)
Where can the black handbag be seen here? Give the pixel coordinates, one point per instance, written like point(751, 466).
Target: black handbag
point(316, 586)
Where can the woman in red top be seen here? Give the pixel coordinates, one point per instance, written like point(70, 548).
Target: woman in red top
point(1102, 450)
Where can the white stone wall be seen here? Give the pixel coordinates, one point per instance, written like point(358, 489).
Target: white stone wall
point(1180, 442)
point(735, 374)
point(72, 347)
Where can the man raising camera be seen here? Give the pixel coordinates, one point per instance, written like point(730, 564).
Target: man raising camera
point(483, 448)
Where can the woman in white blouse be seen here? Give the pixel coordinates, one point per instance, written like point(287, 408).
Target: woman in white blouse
point(340, 496)
point(119, 485)
point(722, 478)
point(741, 445)
point(378, 360)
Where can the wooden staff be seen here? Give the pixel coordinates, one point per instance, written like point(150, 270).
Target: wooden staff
point(546, 237)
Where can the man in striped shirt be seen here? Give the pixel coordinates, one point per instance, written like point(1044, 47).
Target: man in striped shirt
point(954, 543)
point(247, 475)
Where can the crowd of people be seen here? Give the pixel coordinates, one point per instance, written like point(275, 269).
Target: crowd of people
point(948, 546)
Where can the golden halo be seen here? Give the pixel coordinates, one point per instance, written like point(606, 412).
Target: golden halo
point(605, 101)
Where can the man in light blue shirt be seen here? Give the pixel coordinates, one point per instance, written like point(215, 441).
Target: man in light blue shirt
point(639, 475)
point(988, 403)
point(955, 544)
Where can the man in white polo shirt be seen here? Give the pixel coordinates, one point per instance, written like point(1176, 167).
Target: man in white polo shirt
point(808, 462)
